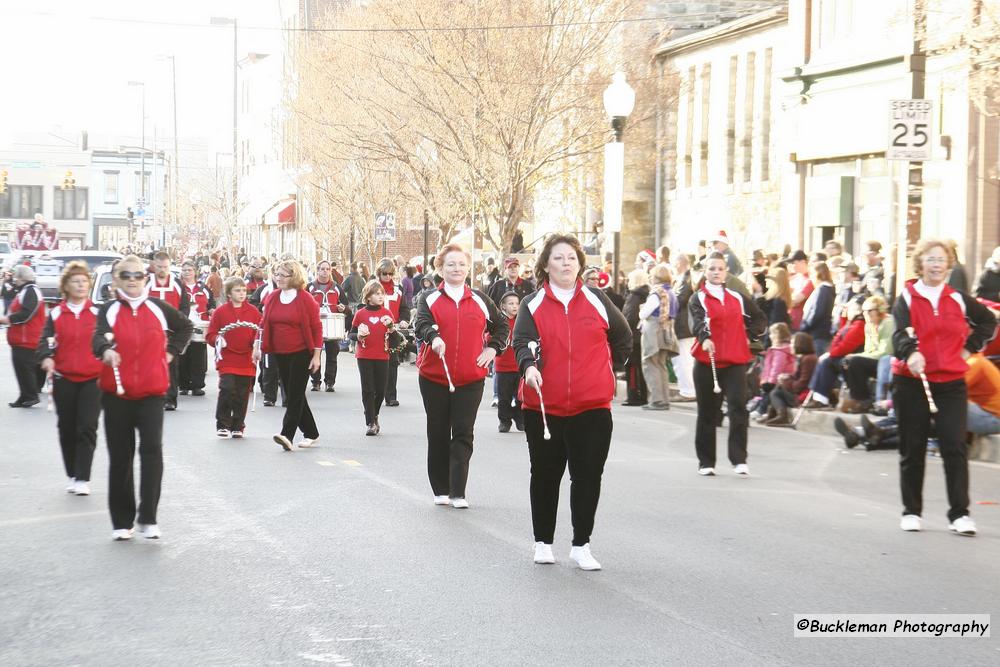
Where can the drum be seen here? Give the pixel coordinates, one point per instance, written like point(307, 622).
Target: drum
point(333, 326)
point(198, 334)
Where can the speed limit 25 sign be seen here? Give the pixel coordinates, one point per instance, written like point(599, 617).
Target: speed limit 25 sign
point(910, 130)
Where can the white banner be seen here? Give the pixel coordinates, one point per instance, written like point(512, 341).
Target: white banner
point(614, 185)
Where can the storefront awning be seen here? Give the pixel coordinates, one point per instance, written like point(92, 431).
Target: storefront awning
point(282, 213)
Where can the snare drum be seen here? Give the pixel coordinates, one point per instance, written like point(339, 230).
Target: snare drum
point(333, 326)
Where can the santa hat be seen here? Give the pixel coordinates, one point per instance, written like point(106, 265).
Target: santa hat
point(721, 237)
point(603, 280)
point(645, 256)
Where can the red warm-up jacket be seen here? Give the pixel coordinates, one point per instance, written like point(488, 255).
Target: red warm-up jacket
point(71, 335)
point(849, 339)
point(466, 327)
point(958, 322)
point(731, 324)
point(395, 302)
point(506, 361)
point(143, 334)
point(236, 358)
point(172, 293)
point(577, 344)
point(201, 299)
point(27, 317)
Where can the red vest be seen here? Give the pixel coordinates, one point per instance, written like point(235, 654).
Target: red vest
point(27, 333)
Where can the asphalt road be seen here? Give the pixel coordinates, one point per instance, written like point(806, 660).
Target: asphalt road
point(336, 555)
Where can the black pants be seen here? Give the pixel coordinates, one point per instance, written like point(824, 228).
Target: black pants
point(332, 349)
point(269, 381)
point(231, 408)
point(78, 407)
point(293, 369)
point(860, 370)
point(122, 418)
point(507, 393)
point(26, 371)
point(171, 396)
point(193, 367)
point(583, 442)
point(732, 380)
point(782, 398)
point(373, 372)
point(451, 422)
point(826, 375)
point(392, 371)
point(914, 417)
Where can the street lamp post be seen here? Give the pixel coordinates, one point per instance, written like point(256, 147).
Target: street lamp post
point(619, 100)
point(221, 20)
point(142, 142)
point(173, 75)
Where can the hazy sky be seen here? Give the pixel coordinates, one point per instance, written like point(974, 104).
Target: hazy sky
point(67, 63)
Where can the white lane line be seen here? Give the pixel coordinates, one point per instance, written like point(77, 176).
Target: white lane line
point(351, 462)
point(49, 517)
point(326, 463)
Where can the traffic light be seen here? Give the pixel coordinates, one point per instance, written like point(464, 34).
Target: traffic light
point(68, 182)
point(3, 182)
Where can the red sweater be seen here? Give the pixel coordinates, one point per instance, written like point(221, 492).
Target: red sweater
point(506, 361)
point(236, 358)
point(27, 317)
point(371, 346)
point(849, 339)
point(291, 327)
point(72, 336)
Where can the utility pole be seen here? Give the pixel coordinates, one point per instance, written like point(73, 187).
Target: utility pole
point(912, 222)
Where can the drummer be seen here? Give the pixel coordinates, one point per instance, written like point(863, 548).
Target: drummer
point(330, 297)
point(194, 361)
point(396, 304)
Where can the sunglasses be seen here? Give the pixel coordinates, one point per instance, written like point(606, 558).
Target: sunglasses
point(131, 275)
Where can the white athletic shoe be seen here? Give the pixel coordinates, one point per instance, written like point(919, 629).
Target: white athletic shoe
point(236, 434)
point(306, 443)
point(543, 554)
point(285, 443)
point(706, 472)
point(911, 523)
point(460, 503)
point(121, 534)
point(583, 558)
point(81, 487)
point(149, 530)
point(963, 525)
point(442, 500)
point(222, 432)
point(71, 485)
point(496, 402)
point(741, 469)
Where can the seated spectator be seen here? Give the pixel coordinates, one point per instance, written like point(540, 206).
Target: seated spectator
point(778, 360)
point(817, 312)
point(874, 362)
point(777, 300)
point(791, 389)
point(850, 339)
point(851, 287)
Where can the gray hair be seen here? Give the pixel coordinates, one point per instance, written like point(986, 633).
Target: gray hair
point(23, 273)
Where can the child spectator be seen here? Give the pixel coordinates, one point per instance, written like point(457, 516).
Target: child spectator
point(791, 389)
point(778, 360)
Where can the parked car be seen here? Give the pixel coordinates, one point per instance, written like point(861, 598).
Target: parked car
point(6, 253)
point(100, 291)
point(49, 266)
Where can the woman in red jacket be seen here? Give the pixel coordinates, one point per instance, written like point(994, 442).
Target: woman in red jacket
point(567, 337)
point(292, 332)
point(136, 337)
point(723, 324)
point(232, 331)
point(453, 321)
point(937, 328)
point(371, 327)
point(26, 318)
point(65, 355)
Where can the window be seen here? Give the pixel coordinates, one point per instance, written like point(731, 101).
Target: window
point(70, 204)
point(21, 201)
point(706, 96)
point(748, 116)
point(731, 123)
point(111, 187)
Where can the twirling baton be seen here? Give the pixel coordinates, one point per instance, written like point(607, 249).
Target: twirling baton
point(451, 386)
point(533, 347)
point(923, 376)
point(711, 359)
point(49, 407)
point(119, 389)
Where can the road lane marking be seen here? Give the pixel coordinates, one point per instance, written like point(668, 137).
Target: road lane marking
point(326, 463)
point(351, 462)
point(49, 517)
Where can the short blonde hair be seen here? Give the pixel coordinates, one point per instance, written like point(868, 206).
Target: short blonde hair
point(877, 302)
point(127, 262)
point(926, 245)
point(75, 268)
point(638, 278)
point(662, 274)
point(370, 288)
point(297, 274)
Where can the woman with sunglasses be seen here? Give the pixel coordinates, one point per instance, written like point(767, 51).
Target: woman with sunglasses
point(291, 331)
point(400, 309)
point(136, 337)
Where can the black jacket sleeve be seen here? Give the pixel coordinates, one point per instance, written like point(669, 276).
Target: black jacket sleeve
point(525, 331)
point(496, 325)
point(902, 345)
point(30, 303)
point(211, 306)
point(697, 320)
point(179, 328)
point(423, 322)
point(982, 323)
point(404, 309)
point(99, 344)
point(755, 319)
point(44, 351)
point(185, 303)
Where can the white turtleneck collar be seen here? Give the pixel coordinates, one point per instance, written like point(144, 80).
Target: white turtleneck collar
point(456, 293)
point(932, 294)
point(135, 302)
point(718, 291)
point(288, 295)
point(76, 308)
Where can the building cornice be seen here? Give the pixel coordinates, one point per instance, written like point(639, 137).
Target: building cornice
point(755, 22)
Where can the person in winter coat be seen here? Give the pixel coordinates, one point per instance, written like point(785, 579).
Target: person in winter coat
point(330, 297)
point(510, 282)
point(777, 299)
point(659, 340)
point(507, 372)
point(724, 322)
point(832, 363)
point(635, 383)
point(165, 287)
point(193, 365)
point(65, 356)
point(26, 318)
point(462, 333)
point(778, 360)
point(400, 310)
point(136, 336)
point(936, 329)
point(567, 338)
point(988, 285)
point(232, 332)
point(817, 312)
point(874, 360)
point(792, 389)
point(683, 362)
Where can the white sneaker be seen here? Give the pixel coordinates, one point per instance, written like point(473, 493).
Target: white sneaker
point(910, 522)
point(71, 485)
point(285, 443)
point(121, 534)
point(583, 558)
point(81, 488)
point(496, 402)
point(460, 503)
point(306, 443)
point(963, 525)
point(149, 530)
point(741, 469)
point(236, 434)
point(706, 472)
point(543, 554)
point(442, 500)
point(222, 433)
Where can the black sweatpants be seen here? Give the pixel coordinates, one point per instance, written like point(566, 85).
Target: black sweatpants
point(582, 441)
point(732, 380)
point(507, 393)
point(231, 407)
point(78, 407)
point(26, 371)
point(122, 418)
point(293, 370)
point(331, 349)
point(859, 371)
point(171, 396)
point(914, 415)
point(269, 381)
point(451, 422)
point(373, 372)
point(193, 367)
point(391, 374)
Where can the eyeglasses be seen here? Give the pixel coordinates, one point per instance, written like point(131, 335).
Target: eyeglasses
point(869, 310)
point(383, 273)
point(131, 275)
point(282, 275)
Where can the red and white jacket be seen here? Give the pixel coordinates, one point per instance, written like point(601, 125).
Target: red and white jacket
point(731, 323)
point(27, 317)
point(506, 361)
point(328, 294)
point(467, 327)
point(578, 345)
point(395, 302)
point(71, 335)
point(958, 322)
point(172, 293)
point(236, 357)
point(201, 299)
point(144, 330)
